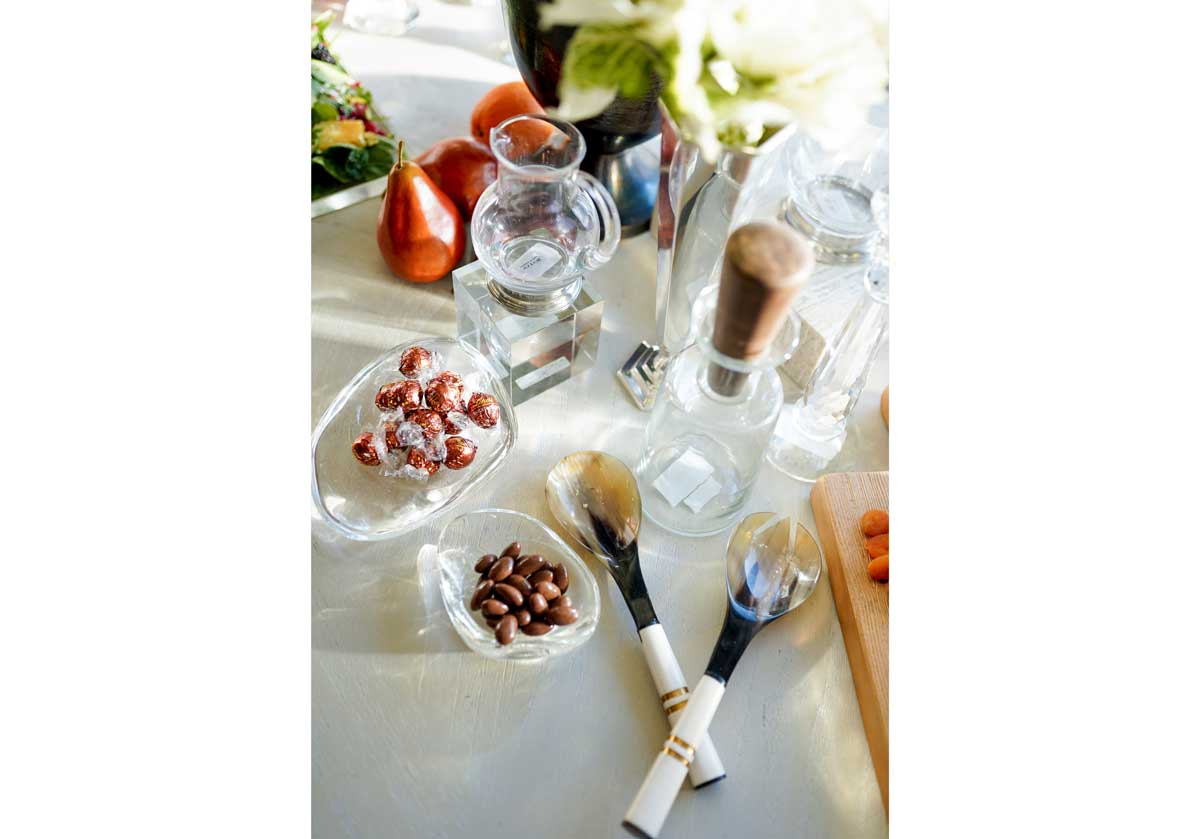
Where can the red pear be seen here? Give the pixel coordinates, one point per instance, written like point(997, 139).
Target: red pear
point(462, 168)
point(420, 232)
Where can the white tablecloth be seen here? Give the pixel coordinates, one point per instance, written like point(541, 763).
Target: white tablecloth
point(414, 735)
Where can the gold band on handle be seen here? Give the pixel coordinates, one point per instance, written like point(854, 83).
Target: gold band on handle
point(671, 695)
point(675, 708)
point(691, 750)
point(673, 747)
point(676, 755)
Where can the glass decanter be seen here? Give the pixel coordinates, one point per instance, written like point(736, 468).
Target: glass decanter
point(543, 223)
point(812, 431)
point(720, 398)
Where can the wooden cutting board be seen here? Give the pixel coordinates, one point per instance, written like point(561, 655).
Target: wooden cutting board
point(839, 500)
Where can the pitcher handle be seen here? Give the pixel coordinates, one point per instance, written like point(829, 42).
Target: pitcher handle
point(610, 221)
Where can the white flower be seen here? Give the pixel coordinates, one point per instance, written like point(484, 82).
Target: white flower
point(819, 62)
point(822, 58)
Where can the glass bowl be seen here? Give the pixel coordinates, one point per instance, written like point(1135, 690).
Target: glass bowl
point(474, 534)
point(377, 502)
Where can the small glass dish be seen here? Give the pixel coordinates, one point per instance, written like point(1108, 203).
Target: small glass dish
point(369, 503)
point(468, 537)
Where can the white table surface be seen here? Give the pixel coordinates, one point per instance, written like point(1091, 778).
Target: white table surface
point(414, 735)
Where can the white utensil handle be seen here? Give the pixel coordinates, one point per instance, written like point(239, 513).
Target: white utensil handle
point(673, 693)
point(653, 801)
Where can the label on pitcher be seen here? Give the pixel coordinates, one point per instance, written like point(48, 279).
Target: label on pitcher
point(536, 261)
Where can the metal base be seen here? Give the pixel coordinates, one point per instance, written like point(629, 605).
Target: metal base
point(631, 177)
point(643, 373)
point(532, 305)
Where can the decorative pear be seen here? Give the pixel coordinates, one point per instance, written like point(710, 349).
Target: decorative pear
point(420, 233)
point(462, 168)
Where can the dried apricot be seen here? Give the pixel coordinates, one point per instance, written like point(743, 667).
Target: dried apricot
point(877, 546)
point(874, 522)
point(878, 568)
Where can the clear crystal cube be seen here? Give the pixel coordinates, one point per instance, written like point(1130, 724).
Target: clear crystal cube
point(533, 345)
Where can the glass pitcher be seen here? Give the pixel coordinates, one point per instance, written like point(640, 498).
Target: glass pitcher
point(543, 223)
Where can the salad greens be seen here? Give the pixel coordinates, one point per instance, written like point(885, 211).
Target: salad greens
point(350, 141)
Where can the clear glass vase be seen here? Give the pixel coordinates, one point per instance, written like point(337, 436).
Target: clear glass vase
point(812, 430)
point(699, 204)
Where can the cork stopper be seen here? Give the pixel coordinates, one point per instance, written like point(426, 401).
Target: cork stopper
point(766, 264)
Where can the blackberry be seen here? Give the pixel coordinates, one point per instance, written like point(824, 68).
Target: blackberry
point(321, 53)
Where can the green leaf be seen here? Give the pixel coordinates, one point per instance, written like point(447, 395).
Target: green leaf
point(328, 74)
point(380, 159)
point(343, 162)
point(319, 25)
point(340, 166)
point(610, 56)
point(356, 162)
point(327, 165)
point(323, 111)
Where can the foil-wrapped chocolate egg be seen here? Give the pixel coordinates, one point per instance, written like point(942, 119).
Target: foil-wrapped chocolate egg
point(456, 384)
point(441, 397)
point(414, 360)
point(364, 452)
point(450, 378)
point(404, 395)
point(430, 422)
point(391, 437)
point(460, 451)
point(419, 459)
point(483, 409)
point(450, 425)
